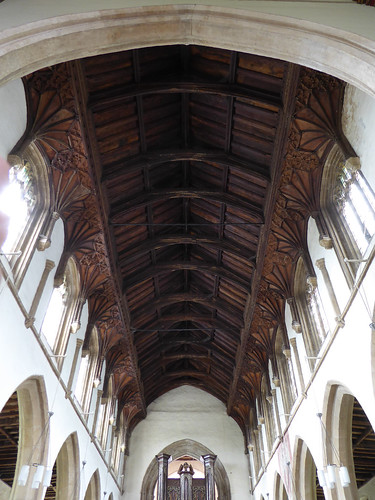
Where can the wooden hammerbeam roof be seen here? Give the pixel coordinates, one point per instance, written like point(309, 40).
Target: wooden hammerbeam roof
point(200, 169)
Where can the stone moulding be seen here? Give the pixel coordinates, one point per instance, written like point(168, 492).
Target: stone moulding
point(30, 47)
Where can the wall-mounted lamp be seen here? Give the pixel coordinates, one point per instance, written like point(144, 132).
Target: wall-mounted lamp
point(327, 475)
point(42, 473)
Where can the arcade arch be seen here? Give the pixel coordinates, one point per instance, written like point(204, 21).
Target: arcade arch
point(66, 477)
point(280, 491)
point(306, 483)
point(93, 488)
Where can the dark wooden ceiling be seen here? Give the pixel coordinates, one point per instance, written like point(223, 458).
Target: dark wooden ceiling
point(185, 176)
point(185, 139)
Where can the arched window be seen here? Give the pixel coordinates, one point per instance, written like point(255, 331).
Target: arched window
point(61, 308)
point(268, 413)
point(118, 447)
point(26, 201)
point(287, 381)
point(348, 204)
point(355, 201)
point(105, 413)
point(311, 311)
point(86, 373)
point(254, 447)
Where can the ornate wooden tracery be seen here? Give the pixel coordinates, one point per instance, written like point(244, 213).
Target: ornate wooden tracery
point(185, 183)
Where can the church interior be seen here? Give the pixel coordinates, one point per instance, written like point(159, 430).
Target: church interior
point(187, 210)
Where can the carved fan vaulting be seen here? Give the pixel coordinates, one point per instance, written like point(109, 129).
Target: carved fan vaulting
point(185, 177)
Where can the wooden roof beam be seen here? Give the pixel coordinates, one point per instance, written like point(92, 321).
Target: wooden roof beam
point(116, 97)
point(121, 207)
point(167, 321)
point(150, 159)
point(132, 254)
point(169, 267)
point(209, 303)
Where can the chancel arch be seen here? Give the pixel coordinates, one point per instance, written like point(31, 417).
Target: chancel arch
point(347, 57)
point(179, 449)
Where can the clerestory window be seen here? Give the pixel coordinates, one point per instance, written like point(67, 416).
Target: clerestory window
point(57, 322)
point(18, 202)
point(26, 201)
point(310, 311)
point(355, 200)
point(86, 373)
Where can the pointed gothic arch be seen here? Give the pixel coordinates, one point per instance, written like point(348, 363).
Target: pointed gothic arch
point(279, 489)
point(179, 449)
point(66, 470)
point(304, 472)
point(337, 419)
point(33, 434)
point(93, 488)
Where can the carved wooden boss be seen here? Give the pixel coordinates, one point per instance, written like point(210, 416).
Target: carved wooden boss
point(185, 177)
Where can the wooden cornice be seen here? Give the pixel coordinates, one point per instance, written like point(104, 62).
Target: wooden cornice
point(89, 140)
point(290, 88)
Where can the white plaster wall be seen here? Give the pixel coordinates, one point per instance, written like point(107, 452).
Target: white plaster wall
point(187, 413)
point(12, 115)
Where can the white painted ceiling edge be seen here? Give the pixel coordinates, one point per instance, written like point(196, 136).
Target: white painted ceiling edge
point(339, 52)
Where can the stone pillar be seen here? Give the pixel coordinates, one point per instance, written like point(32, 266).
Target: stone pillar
point(186, 473)
point(162, 459)
point(74, 366)
point(276, 412)
point(209, 462)
point(331, 292)
point(293, 343)
point(49, 265)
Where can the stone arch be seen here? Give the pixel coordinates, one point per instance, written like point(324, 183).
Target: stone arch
point(93, 488)
point(337, 420)
point(179, 449)
point(279, 490)
point(304, 472)
point(67, 469)
point(34, 434)
point(65, 37)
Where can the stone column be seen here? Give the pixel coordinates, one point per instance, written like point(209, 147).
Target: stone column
point(331, 292)
point(74, 366)
point(186, 473)
point(209, 462)
point(293, 343)
point(162, 459)
point(49, 265)
point(276, 412)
